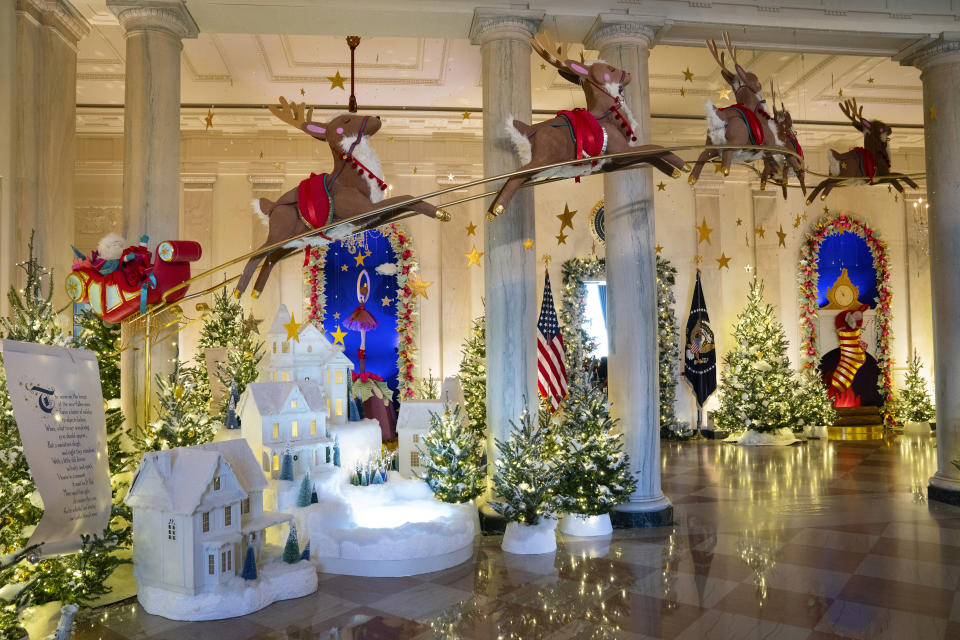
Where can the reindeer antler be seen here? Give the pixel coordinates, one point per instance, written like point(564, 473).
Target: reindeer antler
point(849, 109)
point(294, 114)
point(732, 49)
point(544, 44)
point(718, 55)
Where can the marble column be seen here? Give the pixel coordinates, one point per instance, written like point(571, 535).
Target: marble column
point(151, 155)
point(624, 42)
point(43, 144)
point(939, 63)
point(8, 102)
point(510, 273)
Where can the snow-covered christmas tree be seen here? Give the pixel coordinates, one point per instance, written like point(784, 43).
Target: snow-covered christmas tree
point(473, 377)
point(594, 471)
point(291, 550)
point(306, 490)
point(812, 407)
point(913, 401)
point(182, 417)
point(451, 459)
point(756, 389)
point(525, 482)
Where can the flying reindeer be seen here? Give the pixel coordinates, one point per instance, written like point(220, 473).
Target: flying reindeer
point(862, 164)
point(783, 164)
point(741, 124)
point(605, 126)
point(354, 187)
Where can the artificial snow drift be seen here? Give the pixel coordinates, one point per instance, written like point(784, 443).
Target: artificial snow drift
point(392, 529)
point(276, 580)
point(780, 437)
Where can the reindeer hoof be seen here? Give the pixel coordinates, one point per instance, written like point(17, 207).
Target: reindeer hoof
point(692, 180)
point(676, 173)
point(726, 171)
point(763, 186)
point(236, 294)
point(823, 196)
point(497, 210)
point(254, 294)
point(442, 215)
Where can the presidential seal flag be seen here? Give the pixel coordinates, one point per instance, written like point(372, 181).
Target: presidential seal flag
point(699, 353)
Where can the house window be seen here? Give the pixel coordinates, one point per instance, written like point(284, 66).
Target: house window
point(229, 559)
point(276, 430)
point(328, 454)
point(285, 347)
point(223, 562)
point(216, 483)
point(227, 516)
point(276, 462)
point(211, 564)
point(339, 376)
point(313, 427)
point(206, 521)
point(273, 375)
point(309, 348)
point(294, 429)
point(316, 458)
point(414, 458)
point(339, 406)
point(416, 438)
point(171, 530)
point(328, 376)
point(293, 404)
point(245, 506)
point(274, 347)
point(285, 376)
point(328, 406)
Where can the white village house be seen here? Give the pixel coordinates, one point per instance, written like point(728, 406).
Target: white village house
point(309, 356)
point(275, 416)
point(195, 510)
point(413, 424)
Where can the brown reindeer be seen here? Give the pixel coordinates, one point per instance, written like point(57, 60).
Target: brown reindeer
point(783, 164)
point(605, 126)
point(741, 124)
point(862, 164)
point(352, 188)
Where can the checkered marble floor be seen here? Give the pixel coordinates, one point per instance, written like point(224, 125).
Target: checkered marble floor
point(824, 540)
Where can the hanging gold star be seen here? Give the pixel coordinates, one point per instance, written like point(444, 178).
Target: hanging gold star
point(414, 171)
point(566, 218)
point(338, 336)
point(704, 232)
point(360, 257)
point(293, 329)
point(303, 91)
point(471, 229)
point(465, 115)
point(561, 239)
point(698, 259)
point(419, 286)
point(826, 209)
point(527, 244)
point(840, 93)
point(739, 221)
point(843, 165)
point(870, 80)
point(658, 248)
point(543, 67)
point(796, 222)
point(474, 256)
point(343, 267)
point(723, 94)
point(251, 324)
point(760, 231)
point(336, 81)
point(261, 155)
point(683, 92)
point(208, 119)
point(385, 301)
point(933, 112)
point(723, 262)
point(661, 186)
point(782, 237)
point(687, 75)
point(804, 216)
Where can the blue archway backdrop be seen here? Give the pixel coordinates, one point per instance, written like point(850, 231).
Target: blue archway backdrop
point(342, 269)
point(847, 251)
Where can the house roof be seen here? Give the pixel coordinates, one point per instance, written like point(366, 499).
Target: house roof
point(270, 397)
point(282, 318)
point(242, 462)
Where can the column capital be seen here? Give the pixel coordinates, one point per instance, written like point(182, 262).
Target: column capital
point(616, 28)
point(943, 49)
point(171, 16)
point(266, 181)
point(59, 15)
point(497, 23)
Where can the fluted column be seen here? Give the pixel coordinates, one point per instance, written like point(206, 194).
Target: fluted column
point(8, 101)
point(624, 42)
point(510, 275)
point(151, 154)
point(939, 63)
point(43, 146)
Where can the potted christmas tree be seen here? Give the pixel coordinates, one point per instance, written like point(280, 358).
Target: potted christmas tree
point(914, 408)
point(526, 484)
point(756, 391)
point(594, 473)
point(452, 461)
point(813, 408)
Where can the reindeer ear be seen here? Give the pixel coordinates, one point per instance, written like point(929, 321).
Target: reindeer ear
point(318, 131)
point(866, 123)
point(577, 68)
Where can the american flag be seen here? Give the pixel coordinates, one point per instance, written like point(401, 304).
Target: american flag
point(551, 371)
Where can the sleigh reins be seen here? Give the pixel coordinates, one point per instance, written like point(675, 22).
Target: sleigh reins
point(357, 164)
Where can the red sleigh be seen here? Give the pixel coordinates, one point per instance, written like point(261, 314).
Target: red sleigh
point(137, 282)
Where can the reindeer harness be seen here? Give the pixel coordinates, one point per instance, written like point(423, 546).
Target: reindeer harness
point(868, 164)
point(749, 117)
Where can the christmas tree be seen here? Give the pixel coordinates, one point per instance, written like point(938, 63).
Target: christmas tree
point(594, 472)
point(182, 417)
point(291, 550)
point(453, 469)
point(306, 552)
point(303, 497)
point(756, 390)
point(336, 451)
point(668, 340)
point(286, 465)
point(32, 316)
point(525, 482)
point(913, 402)
point(426, 388)
point(473, 377)
point(230, 420)
point(812, 407)
point(249, 565)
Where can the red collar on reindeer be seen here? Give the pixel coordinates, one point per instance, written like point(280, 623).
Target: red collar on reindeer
point(358, 166)
point(615, 109)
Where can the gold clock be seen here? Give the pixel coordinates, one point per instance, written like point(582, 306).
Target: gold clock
point(843, 294)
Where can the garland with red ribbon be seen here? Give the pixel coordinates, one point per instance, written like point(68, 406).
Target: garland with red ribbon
point(408, 319)
point(809, 254)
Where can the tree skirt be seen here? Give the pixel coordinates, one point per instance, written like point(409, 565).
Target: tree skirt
point(534, 539)
point(780, 437)
point(575, 524)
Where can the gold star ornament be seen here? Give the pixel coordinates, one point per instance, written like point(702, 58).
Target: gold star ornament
point(687, 75)
point(561, 239)
point(418, 286)
point(566, 218)
point(471, 229)
point(208, 119)
point(336, 81)
point(474, 256)
point(703, 232)
point(760, 231)
point(723, 94)
point(782, 237)
point(723, 262)
point(661, 186)
point(465, 115)
point(385, 301)
point(338, 336)
point(360, 257)
point(658, 248)
point(293, 329)
point(527, 244)
point(683, 92)
point(251, 324)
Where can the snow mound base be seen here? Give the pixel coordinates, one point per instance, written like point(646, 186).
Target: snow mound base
point(780, 437)
point(276, 581)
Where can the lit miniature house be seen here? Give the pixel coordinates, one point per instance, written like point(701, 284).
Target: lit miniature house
point(195, 510)
point(309, 357)
point(275, 416)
